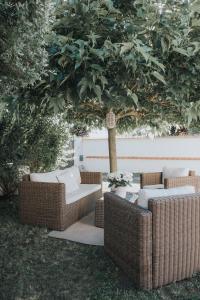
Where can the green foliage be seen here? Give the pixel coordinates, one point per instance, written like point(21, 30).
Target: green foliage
point(29, 138)
point(23, 31)
point(100, 64)
point(79, 130)
point(139, 58)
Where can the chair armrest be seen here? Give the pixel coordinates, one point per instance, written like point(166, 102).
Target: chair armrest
point(181, 181)
point(91, 177)
point(192, 173)
point(150, 178)
point(26, 177)
point(128, 238)
point(42, 203)
point(176, 243)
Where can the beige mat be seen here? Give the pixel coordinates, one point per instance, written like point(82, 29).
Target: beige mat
point(83, 231)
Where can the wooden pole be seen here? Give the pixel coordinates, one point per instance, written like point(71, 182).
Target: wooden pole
point(112, 149)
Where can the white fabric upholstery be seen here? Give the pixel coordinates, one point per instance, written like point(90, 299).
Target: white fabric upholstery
point(83, 191)
point(70, 182)
point(154, 186)
point(75, 171)
point(146, 194)
point(52, 176)
point(45, 177)
point(174, 172)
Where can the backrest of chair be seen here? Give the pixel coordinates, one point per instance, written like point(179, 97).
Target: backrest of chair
point(183, 181)
point(192, 173)
point(176, 238)
point(26, 177)
point(150, 179)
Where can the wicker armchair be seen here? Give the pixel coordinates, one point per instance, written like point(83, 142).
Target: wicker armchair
point(157, 246)
point(44, 203)
point(156, 178)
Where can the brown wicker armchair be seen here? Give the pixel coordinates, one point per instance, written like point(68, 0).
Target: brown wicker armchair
point(156, 179)
point(157, 246)
point(44, 203)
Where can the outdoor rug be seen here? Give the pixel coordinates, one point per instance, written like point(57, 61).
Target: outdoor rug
point(84, 231)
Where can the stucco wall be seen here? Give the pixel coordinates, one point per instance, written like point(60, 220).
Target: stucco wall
point(143, 154)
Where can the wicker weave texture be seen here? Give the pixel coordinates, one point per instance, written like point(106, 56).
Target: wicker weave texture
point(156, 178)
point(44, 203)
point(91, 177)
point(176, 238)
point(182, 181)
point(150, 179)
point(99, 213)
point(128, 238)
point(157, 246)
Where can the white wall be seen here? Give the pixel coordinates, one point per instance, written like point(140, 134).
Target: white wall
point(185, 152)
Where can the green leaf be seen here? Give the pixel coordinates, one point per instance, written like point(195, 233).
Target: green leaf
point(97, 67)
point(180, 50)
point(158, 76)
point(64, 80)
point(157, 63)
point(97, 90)
point(83, 84)
point(143, 52)
point(126, 47)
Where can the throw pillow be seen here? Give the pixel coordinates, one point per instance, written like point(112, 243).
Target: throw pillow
point(75, 171)
point(70, 182)
point(174, 172)
point(45, 177)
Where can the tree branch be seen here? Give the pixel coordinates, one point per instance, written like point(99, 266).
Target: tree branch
point(129, 113)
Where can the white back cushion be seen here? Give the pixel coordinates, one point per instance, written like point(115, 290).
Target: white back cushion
point(174, 172)
point(45, 177)
point(70, 182)
point(75, 171)
point(146, 194)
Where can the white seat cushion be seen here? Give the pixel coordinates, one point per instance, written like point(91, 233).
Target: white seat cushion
point(146, 194)
point(155, 186)
point(83, 191)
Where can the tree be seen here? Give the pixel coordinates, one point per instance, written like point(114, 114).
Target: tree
point(123, 58)
point(24, 25)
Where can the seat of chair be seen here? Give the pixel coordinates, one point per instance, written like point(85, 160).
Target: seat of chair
point(154, 186)
point(83, 191)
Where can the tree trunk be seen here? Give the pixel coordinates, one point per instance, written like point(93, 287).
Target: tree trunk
point(112, 149)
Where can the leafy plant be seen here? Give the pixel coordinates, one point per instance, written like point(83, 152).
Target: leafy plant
point(24, 26)
point(120, 179)
point(30, 138)
point(79, 130)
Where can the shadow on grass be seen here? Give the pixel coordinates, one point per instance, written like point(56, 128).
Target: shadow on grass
point(33, 266)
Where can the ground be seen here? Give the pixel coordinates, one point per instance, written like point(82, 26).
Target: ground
point(35, 267)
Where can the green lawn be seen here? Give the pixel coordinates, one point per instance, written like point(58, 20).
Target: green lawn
point(33, 266)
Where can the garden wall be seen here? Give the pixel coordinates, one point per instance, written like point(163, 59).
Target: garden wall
point(140, 154)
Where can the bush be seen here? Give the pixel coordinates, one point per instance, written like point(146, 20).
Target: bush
point(28, 138)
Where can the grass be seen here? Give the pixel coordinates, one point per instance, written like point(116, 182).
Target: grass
point(34, 267)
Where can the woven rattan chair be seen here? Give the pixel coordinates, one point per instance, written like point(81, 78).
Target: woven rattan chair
point(157, 246)
point(156, 179)
point(44, 203)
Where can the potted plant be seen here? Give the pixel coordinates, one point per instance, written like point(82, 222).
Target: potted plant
point(119, 181)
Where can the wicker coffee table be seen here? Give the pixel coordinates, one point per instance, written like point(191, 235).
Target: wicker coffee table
point(99, 213)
